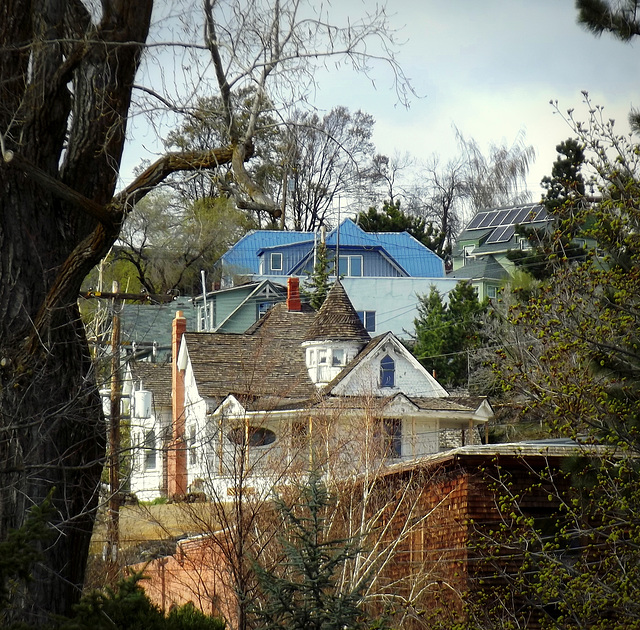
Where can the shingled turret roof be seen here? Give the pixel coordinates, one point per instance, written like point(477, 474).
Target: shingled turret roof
point(337, 320)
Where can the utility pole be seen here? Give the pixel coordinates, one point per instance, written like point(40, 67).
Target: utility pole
point(113, 526)
point(112, 544)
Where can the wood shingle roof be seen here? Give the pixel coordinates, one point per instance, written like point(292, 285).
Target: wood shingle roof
point(337, 320)
point(267, 361)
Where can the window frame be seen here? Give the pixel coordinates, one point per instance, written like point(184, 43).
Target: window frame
point(274, 256)
point(368, 319)
point(150, 453)
point(348, 258)
point(387, 372)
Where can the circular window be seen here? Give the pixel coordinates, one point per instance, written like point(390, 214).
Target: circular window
point(258, 436)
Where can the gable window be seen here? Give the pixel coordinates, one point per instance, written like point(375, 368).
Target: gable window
point(368, 318)
point(350, 266)
point(387, 372)
point(149, 449)
point(276, 262)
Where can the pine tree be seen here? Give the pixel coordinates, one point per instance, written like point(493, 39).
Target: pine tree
point(302, 592)
point(392, 219)
point(430, 327)
point(318, 285)
point(565, 199)
point(446, 333)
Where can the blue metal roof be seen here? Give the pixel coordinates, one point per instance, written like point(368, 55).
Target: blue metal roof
point(407, 252)
point(243, 256)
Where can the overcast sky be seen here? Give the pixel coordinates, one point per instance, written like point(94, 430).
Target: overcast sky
point(490, 68)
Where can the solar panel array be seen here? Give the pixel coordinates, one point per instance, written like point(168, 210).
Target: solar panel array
point(504, 221)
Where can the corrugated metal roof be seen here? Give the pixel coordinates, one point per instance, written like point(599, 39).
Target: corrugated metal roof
point(409, 254)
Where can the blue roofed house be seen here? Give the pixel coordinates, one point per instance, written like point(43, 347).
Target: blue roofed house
point(382, 272)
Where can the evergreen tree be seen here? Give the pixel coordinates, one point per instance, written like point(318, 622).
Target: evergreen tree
point(446, 333)
point(430, 327)
point(318, 285)
point(392, 219)
point(303, 592)
point(127, 607)
point(565, 200)
point(623, 22)
point(575, 360)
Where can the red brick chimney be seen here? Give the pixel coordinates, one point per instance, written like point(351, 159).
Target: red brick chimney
point(177, 454)
point(293, 295)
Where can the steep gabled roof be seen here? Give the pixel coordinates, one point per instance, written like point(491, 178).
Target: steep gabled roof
point(364, 356)
point(267, 361)
point(484, 268)
point(337, 320)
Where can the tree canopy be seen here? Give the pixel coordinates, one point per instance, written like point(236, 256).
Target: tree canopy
point(446, 332)
point(70, 83)
point(392, 219)
point(574, 359)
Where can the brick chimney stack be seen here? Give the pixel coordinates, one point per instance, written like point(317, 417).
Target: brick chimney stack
point(293, 295)
point(177, 454)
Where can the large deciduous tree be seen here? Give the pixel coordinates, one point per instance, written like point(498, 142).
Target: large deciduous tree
point(66, 85)
point(574, 357)
point(324, 159)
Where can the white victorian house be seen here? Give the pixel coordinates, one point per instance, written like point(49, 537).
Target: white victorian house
point(302, 389)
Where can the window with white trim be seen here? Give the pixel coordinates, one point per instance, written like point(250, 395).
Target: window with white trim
point(338, 357)
point(276, 261)
point(350, 266)
point(368, 318)
point(193, 453)
point(149, 450)
point(388, 435)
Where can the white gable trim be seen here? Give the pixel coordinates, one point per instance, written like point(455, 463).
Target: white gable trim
point(365, 377)
point(231, 407)
point(183, 355)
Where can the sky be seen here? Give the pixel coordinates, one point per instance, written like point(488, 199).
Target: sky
point(488, 68)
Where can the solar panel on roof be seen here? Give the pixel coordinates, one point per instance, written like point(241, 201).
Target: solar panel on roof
point(524, 216)
point(502, 234)
point(499, 218)
point(475, 222)
point(495, 235)
point(539, 215)
point(509, 231)
point(511, 216)
point(486, 221)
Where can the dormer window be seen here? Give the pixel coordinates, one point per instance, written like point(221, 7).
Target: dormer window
point(387, 372)
point(350, 266)
point(276, 262)
point(338, 357)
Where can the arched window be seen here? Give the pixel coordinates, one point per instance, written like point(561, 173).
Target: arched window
point(387, 372)
point(258, 436)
